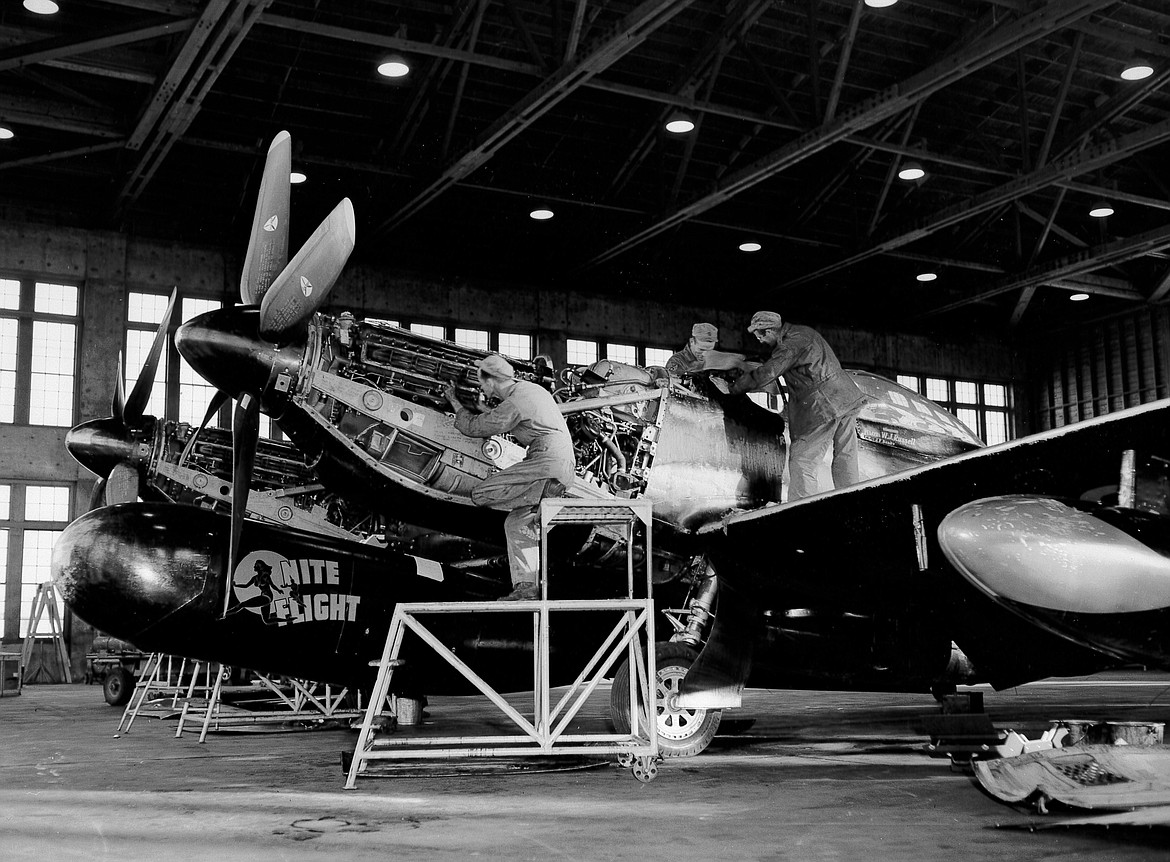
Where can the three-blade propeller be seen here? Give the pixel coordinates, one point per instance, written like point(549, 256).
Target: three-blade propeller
point(108, 447)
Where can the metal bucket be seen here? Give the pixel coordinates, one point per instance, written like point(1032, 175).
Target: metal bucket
point(408, 710)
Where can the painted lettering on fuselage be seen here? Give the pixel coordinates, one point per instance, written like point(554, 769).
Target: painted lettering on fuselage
point(287, 592)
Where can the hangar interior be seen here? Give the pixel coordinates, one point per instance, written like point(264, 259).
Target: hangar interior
point(133, 134)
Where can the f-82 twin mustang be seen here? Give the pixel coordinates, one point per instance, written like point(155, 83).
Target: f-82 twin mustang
point(869, 586)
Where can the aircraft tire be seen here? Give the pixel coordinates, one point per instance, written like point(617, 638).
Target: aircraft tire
point(117, 686)
point(681, 732)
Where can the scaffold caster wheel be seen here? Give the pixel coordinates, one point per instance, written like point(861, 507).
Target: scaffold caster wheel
point(645, 768)
point(626, 761)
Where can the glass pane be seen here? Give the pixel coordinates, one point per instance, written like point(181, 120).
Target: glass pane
point(966, 392)
point(34, 569)
point(53, 361)
point(996, 427)
point(477, 338)
point(138, 343)
point(994, 395)
point(936, 389)
point(56, 299)
point(3, 577)
point(910, 381)
point(9, 293)
point(658, 355)
point(146, 307)
point(516, 345)
point(46, 503)
point(8, 337)
point(626, 353)
point(192, 308)
point(970, 418)
point(195, 394)
point(579, 352)
point(428, 330)
point(5, 502)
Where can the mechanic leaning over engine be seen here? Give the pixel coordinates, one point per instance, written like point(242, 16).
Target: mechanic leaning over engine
point(690, 358)
point(823, 401)
point(528, 413)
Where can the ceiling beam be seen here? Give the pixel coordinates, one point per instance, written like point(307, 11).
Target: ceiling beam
point(630, 32)
point(900, 97)
point(1065, 168)
point(211, 43)
point(46, 50)
point(1081, 262)
point(45, 113)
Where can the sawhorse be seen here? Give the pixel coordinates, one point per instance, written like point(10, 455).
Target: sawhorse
point(45, 599)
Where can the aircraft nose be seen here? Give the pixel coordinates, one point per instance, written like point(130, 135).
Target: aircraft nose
point(225, 349)
point(1042, 553)
point(128, 568)
point(100, 445)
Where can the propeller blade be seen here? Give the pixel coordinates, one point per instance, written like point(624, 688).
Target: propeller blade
point(121, 485)
point(217, 401)
point(303, 285)
point(140, 394)
point(268, 243)
point(97, 497)
point(245, 436)
point(118, 406)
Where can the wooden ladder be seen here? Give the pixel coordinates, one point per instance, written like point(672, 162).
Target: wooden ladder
point(45, 599)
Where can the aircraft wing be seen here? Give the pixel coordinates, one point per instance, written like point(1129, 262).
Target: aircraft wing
point(874, 548)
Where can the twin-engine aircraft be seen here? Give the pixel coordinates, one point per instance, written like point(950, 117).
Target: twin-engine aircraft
point(869, 587)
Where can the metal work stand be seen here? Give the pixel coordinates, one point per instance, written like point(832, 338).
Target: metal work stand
point(155, 684)
point(545, 733)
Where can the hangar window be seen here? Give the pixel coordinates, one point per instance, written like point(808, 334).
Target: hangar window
point(626, 353)
point(479, 339)
point(658, 355)
point(580, 352)
point(429, 330)
point(31, 519)
point(982, 407)
point(38, 351)
point(516, 345)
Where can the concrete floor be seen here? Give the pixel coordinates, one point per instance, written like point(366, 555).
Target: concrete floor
point(816, 776)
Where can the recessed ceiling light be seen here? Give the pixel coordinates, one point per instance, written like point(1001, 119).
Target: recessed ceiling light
point(42, 7)
point(679, 123)
point(911, 171)
point(297, 177)
point(1101, 209)
point(541, 214)
point(926, 276)
point(6, 134)
point(750, 246)
point(1079, 297)
point(394, 66)
point(1136, 69)
point(880, 4)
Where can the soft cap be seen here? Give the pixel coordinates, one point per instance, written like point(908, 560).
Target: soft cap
point(762, 320)
point(705, 332)
point(495, 365)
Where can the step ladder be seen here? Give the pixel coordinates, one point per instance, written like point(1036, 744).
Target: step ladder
point(158, 681)
point(308, 701)
point(44, 600)
point(545, 732)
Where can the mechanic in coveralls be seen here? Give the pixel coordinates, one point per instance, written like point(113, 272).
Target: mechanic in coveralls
point(823, 401)
point(690, 358)
point(529, 414)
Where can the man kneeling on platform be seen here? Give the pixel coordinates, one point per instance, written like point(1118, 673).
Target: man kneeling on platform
point(528, 413)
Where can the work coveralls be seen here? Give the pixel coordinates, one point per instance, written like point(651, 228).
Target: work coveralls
point(823, 403)
point(683, 362)
point(528, 413)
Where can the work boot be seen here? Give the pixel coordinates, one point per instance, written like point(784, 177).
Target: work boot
point(521, 593)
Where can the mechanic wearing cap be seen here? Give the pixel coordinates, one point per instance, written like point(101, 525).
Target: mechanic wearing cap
point(690, 358)
point(823, 401)
point(530, 415)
